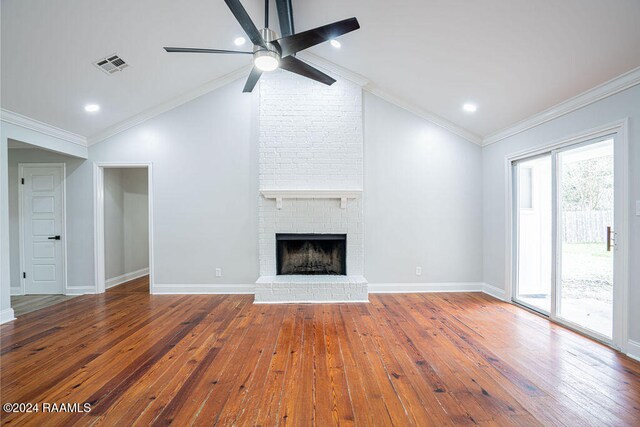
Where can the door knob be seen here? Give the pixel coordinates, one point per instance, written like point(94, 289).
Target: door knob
point(54, 238)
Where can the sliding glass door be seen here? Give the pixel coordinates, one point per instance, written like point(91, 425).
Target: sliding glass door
point(534, 233)
point(563, 216)
point(585, 221)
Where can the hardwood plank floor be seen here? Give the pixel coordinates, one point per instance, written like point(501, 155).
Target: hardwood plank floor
point(23, 304)
point(404, 359)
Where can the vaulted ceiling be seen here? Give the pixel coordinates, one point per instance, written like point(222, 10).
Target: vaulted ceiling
point(512, 58)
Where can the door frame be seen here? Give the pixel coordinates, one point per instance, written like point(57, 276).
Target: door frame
point(63, 232)
point(618, 128)
point(98, 196)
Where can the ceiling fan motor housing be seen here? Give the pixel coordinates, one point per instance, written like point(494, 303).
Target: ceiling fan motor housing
point(268, 55)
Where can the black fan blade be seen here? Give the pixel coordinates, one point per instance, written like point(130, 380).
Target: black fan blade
point(294, 65)
point(201, 50)
point(285, 16)
point(297, 42)
point(245, 22)
point(254, 76)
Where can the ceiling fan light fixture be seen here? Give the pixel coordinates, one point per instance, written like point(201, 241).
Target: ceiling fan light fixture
point(266, 60)
point(469, 107)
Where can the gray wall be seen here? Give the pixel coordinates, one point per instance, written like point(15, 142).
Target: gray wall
point(79, 212)
point(423, 192)
point(422, 199)
point(205, 186)
point(608, 110)
point(126, 221)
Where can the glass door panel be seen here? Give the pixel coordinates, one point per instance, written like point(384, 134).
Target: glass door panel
point(585, 218)
point(533, 198)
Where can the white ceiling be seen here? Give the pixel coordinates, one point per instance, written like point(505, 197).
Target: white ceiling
point(513, 58)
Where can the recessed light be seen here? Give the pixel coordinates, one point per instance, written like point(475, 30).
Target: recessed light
point(336, 44)
point(239, 41)
point(470, 108)
point(92, 108)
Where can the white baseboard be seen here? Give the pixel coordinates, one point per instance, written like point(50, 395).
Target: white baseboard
point(119, 280)
point(633, 349)
point(7, 315)
point(206, 288)
point(314, 302)
point(404, 288)
point(15, 290)
point(80, 290)
point(494, 291)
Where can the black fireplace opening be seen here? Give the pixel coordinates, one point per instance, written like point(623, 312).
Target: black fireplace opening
point(311, 254)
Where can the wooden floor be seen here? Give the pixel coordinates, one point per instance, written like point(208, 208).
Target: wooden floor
point(23, 304)
point(405, 359)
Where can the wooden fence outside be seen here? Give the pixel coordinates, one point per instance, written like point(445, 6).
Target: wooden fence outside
point(586, 226)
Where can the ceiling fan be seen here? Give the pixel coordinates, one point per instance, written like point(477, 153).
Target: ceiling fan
point(270, 52)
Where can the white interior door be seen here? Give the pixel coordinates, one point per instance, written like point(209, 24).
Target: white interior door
point(42, 228)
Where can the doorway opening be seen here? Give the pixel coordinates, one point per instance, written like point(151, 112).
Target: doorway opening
point(566, 216)
point(123, 227)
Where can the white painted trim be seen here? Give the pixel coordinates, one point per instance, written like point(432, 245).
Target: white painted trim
point(621, 129)
point(333, 68)
point(44, 128)
point(427, 115)
point(205, 288)
point(404, 288)
point(314, 302)
point(7, 315)
point(310, 194)
point(494, 291)
point(342, 195)
point(98, 211)
point(633, 350)
point(81, 290)
point(611, 87)
point(169, 105)
point(124, 278)
point(63, 232)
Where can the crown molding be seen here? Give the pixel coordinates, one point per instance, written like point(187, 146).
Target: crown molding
point(169, 105)
point(427, 115)
point(334, 68)
point(8, 116)
point(604, 90)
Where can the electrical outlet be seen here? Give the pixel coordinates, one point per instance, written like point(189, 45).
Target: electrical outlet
point(418, 271)
point(218, 272)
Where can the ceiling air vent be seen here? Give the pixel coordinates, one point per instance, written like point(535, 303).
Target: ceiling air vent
point(111, 64)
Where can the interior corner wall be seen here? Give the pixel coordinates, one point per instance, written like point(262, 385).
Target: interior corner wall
point(79, 213)
point(136, 219)
point(608, 110)
point(126, 221)
point(423, 200)
point(113, 224)
point(204, 189)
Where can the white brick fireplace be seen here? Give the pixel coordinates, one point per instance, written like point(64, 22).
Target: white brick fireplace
point(310, 174)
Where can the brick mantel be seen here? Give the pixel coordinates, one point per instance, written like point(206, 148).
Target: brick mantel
point(311, 178)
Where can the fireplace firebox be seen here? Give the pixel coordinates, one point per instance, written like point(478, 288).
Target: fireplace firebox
point(311, 254)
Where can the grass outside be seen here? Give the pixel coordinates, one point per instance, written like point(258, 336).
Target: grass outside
point(587, 271)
